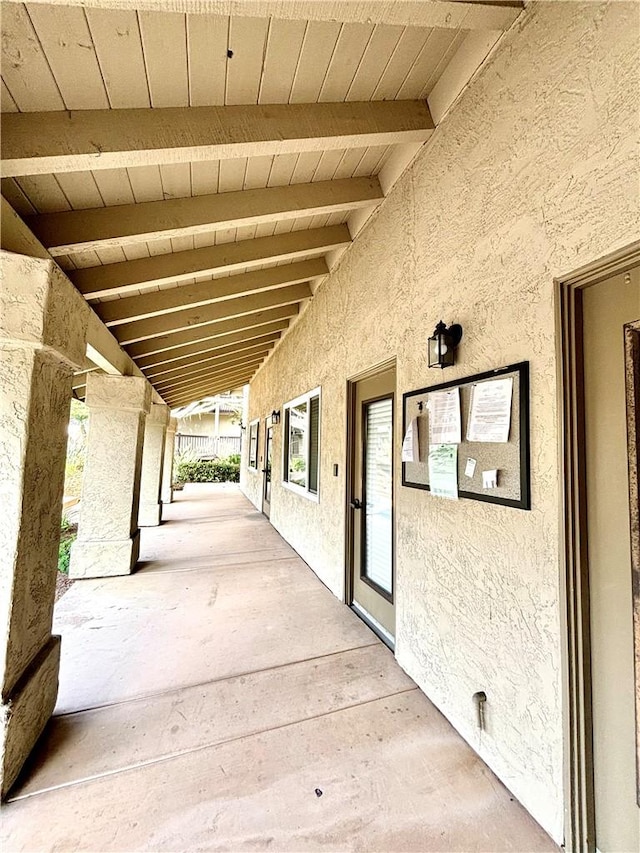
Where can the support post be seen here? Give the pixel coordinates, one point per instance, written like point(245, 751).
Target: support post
point(108, 540)
point(216, 428)
point(43, 327)
point(152, 464)
point(167, 464)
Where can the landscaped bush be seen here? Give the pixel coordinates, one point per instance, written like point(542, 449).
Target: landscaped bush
point(68, 534)
point(208, 471)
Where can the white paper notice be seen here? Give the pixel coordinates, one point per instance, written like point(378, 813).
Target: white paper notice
point(444, 417)
point(490, 479)
point(410, 444)
point(470, 467)
point(490, 413)
point(443, 470)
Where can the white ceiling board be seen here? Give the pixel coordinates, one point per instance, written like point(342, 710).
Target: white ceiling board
point(111, 255)
point(284, 43)
point(176, 180)
point(164, 41)
point(162, 246)
point(232, 175)
point(116, 36)
point(379, 51)
point(205, 177)
point(133, 251)
point(305, 167)
point(405, 54)
point(182, 244)
point(446, 58)
point(257, 172)
point(65, 38)
point(247, 38)
point(25, 70)
point(429, 59)
point(320, 39)
point(327, 165)
point(207, 39)
point(80, 189)
point(16, 197)
point(7, 104)
point(350, 48)
point(114, 186)
point(85, 259)
point(146, 183)
point(44, 193)
point(349, 162)
point(282, 170)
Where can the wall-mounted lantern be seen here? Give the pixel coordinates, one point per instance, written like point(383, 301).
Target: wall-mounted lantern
point(275, 416)
point(442, 345)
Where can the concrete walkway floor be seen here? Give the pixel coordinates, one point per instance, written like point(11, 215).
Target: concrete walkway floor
point(222, 699)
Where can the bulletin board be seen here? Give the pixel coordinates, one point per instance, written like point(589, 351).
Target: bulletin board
point(510, 458)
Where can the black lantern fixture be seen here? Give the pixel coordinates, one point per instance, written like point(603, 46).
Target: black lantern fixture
point(442, 345)
point(275, 416)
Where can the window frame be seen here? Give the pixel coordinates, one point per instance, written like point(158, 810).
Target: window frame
point(255, 423)
point(293, 487)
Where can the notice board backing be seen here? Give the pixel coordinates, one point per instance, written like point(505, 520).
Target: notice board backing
point(511, 458)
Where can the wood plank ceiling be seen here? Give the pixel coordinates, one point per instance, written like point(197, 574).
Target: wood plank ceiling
point(144, 149)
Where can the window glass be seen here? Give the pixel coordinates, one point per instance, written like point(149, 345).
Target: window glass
point(298, 429)
point(314, 436)
point(253, 445)
point(302, 442)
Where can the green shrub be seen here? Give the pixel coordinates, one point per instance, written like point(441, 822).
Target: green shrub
point(64, 554)
point(234, 458)
point(208, 471)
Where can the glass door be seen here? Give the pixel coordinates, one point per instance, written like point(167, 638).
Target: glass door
point(266, 471)
point(371, 503)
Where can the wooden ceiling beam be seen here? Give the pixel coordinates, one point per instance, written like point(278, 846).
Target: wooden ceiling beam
point(73, 231)
point(211, 390)
point(120, 311)
point(205, 373)
point(446, 14)
point(152, 327)
point(81, 140)
point(121, 278)
point(209, 358)
point(173, 344)
point(229, 376)
point(169, 359)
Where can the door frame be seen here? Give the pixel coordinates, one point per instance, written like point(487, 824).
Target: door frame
point(382, 367)
point(268, 425)
point(579, 808)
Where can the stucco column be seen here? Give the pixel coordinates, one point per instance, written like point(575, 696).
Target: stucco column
point(108, 540)
point(167, 464)
point(152, 462)
point(43, 324)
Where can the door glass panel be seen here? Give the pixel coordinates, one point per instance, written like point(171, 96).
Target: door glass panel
point(267, 466)
point(378, 493)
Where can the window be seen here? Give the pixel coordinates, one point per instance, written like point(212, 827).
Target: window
point(253, 444)
point(302, 443)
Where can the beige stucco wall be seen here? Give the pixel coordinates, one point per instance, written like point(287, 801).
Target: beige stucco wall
point(532, 175)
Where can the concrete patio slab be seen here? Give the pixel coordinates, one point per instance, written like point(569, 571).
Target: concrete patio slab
point(92, 743)
point(223, 699)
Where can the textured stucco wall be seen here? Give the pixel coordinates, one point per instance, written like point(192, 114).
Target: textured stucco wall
point(532, 175)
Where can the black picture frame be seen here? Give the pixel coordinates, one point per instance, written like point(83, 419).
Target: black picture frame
point(522, 370)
